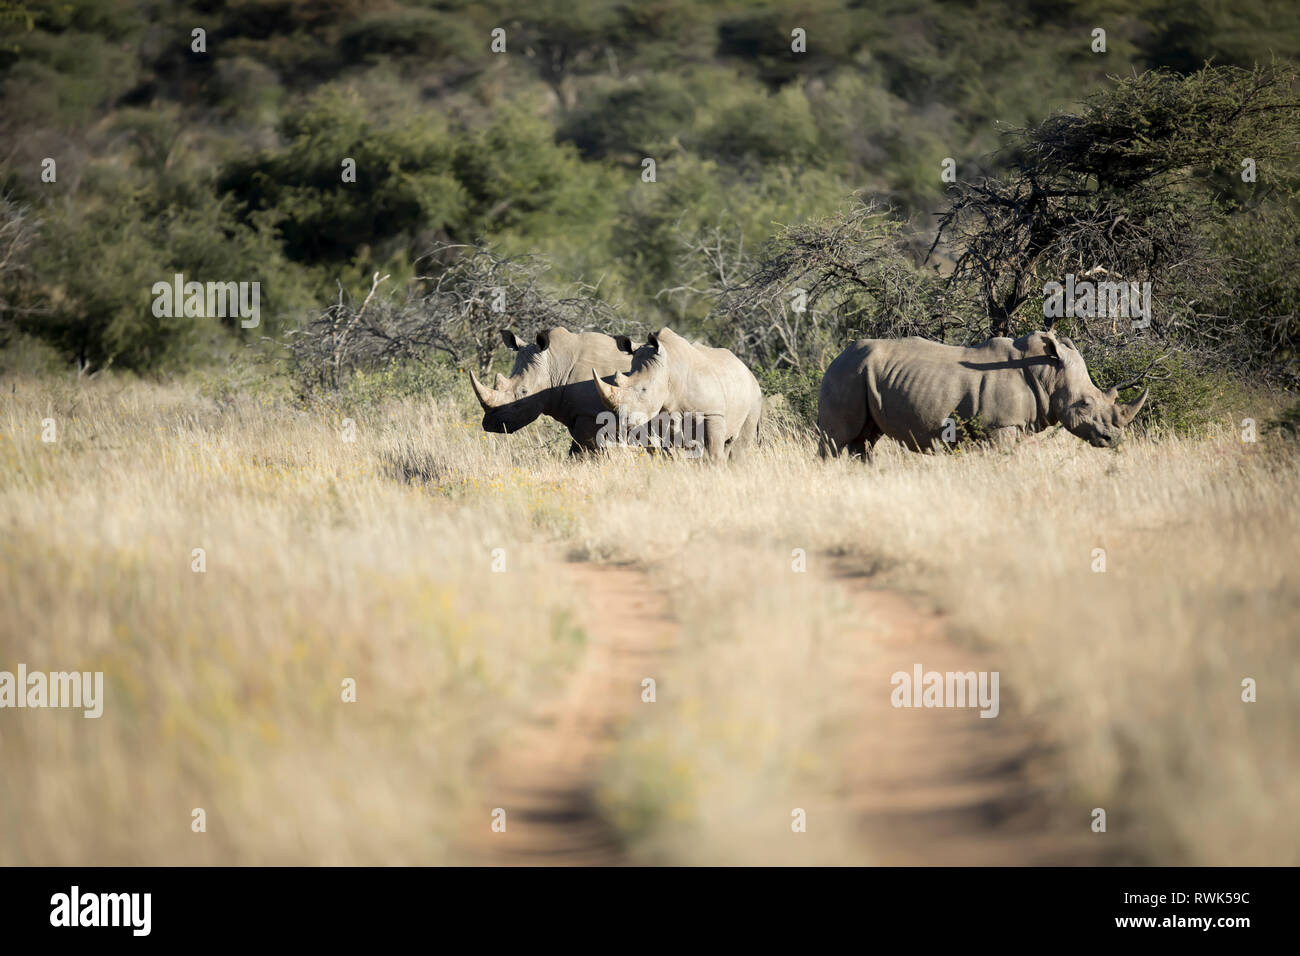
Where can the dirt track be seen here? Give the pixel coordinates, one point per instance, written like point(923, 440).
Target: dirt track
point(936, 786)
point(546, 781)
point(944, 786)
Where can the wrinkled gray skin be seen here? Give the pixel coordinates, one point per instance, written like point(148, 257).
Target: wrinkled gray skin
point(681, 378)
point(552, 377)
point(906, 388)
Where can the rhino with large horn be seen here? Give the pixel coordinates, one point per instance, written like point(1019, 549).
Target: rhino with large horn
point(690, 383)
point(551, 377)
point(914, 390)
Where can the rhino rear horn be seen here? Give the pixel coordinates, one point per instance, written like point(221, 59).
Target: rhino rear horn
point(1129, 411)
point(489, 398)
point(608, 393)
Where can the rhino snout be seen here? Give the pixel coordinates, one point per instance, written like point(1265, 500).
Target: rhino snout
point(502, 425)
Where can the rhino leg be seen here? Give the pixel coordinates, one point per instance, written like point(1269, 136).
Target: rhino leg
point(1005, 438)
point(856, 440)
point(583, 430)
point(747, 438)
point(715, 437)
point(859, 446)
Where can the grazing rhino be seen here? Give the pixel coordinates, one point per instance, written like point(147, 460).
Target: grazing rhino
point(692, 384)
point(550, 377)
point(913, 390)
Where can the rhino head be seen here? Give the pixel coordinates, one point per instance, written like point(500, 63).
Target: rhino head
point(640, 394)
point(518, 400)
point(1074, 401)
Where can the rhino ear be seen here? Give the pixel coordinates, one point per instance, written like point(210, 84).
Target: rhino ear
point(543, 341)
point(624, 344)
point(511, 341)
point(1112, 393)
point(1050, 347)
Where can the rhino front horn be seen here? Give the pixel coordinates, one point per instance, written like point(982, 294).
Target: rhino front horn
point(1129, 412)
point(489, 398)
point(608, 393)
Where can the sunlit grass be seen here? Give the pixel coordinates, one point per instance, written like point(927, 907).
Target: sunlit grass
point(372, 559)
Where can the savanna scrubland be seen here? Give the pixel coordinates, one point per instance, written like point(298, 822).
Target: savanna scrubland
point(373, 559)
point(356, 523)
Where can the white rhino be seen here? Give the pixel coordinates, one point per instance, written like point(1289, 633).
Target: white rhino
point(706, 390)
point(914, 390)
point(550, 377)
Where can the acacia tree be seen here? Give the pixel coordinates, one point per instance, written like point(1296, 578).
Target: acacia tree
point(1142, 185)
point(18, 233)
point(459, 310)
point(816, 284)
point(1132, 186)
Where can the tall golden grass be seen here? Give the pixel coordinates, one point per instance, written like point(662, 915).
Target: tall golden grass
point(372, 559)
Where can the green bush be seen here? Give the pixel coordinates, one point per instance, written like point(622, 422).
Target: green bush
point(1186, 396)
point(26, 355)
point(799, 388)
point(1286, 424)
point(226, 163)
point(92, 295)
point(404, 183)
point(764, 130)
point(425, 34)
point(637, 117)
point(417, 180)
point(438, 378)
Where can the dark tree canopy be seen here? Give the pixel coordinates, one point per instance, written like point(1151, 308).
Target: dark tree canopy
point(1130, 185)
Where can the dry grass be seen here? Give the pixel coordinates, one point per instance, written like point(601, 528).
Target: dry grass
point(371, 559)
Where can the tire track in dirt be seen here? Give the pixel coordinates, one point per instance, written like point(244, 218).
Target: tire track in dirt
point(930, 786)
point(546, 778)
point(944, 786)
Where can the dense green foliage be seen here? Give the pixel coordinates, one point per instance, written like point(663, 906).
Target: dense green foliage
point(225, 164)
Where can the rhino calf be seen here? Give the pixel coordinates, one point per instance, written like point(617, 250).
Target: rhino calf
point(913, 390)
point(550, 378)
point(690, 382)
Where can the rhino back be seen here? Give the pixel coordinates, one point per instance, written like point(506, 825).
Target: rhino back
point(707, 380)
point(575, 356)
point(915, 385)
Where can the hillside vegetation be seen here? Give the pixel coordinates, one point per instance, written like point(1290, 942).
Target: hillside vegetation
point(221, 158)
